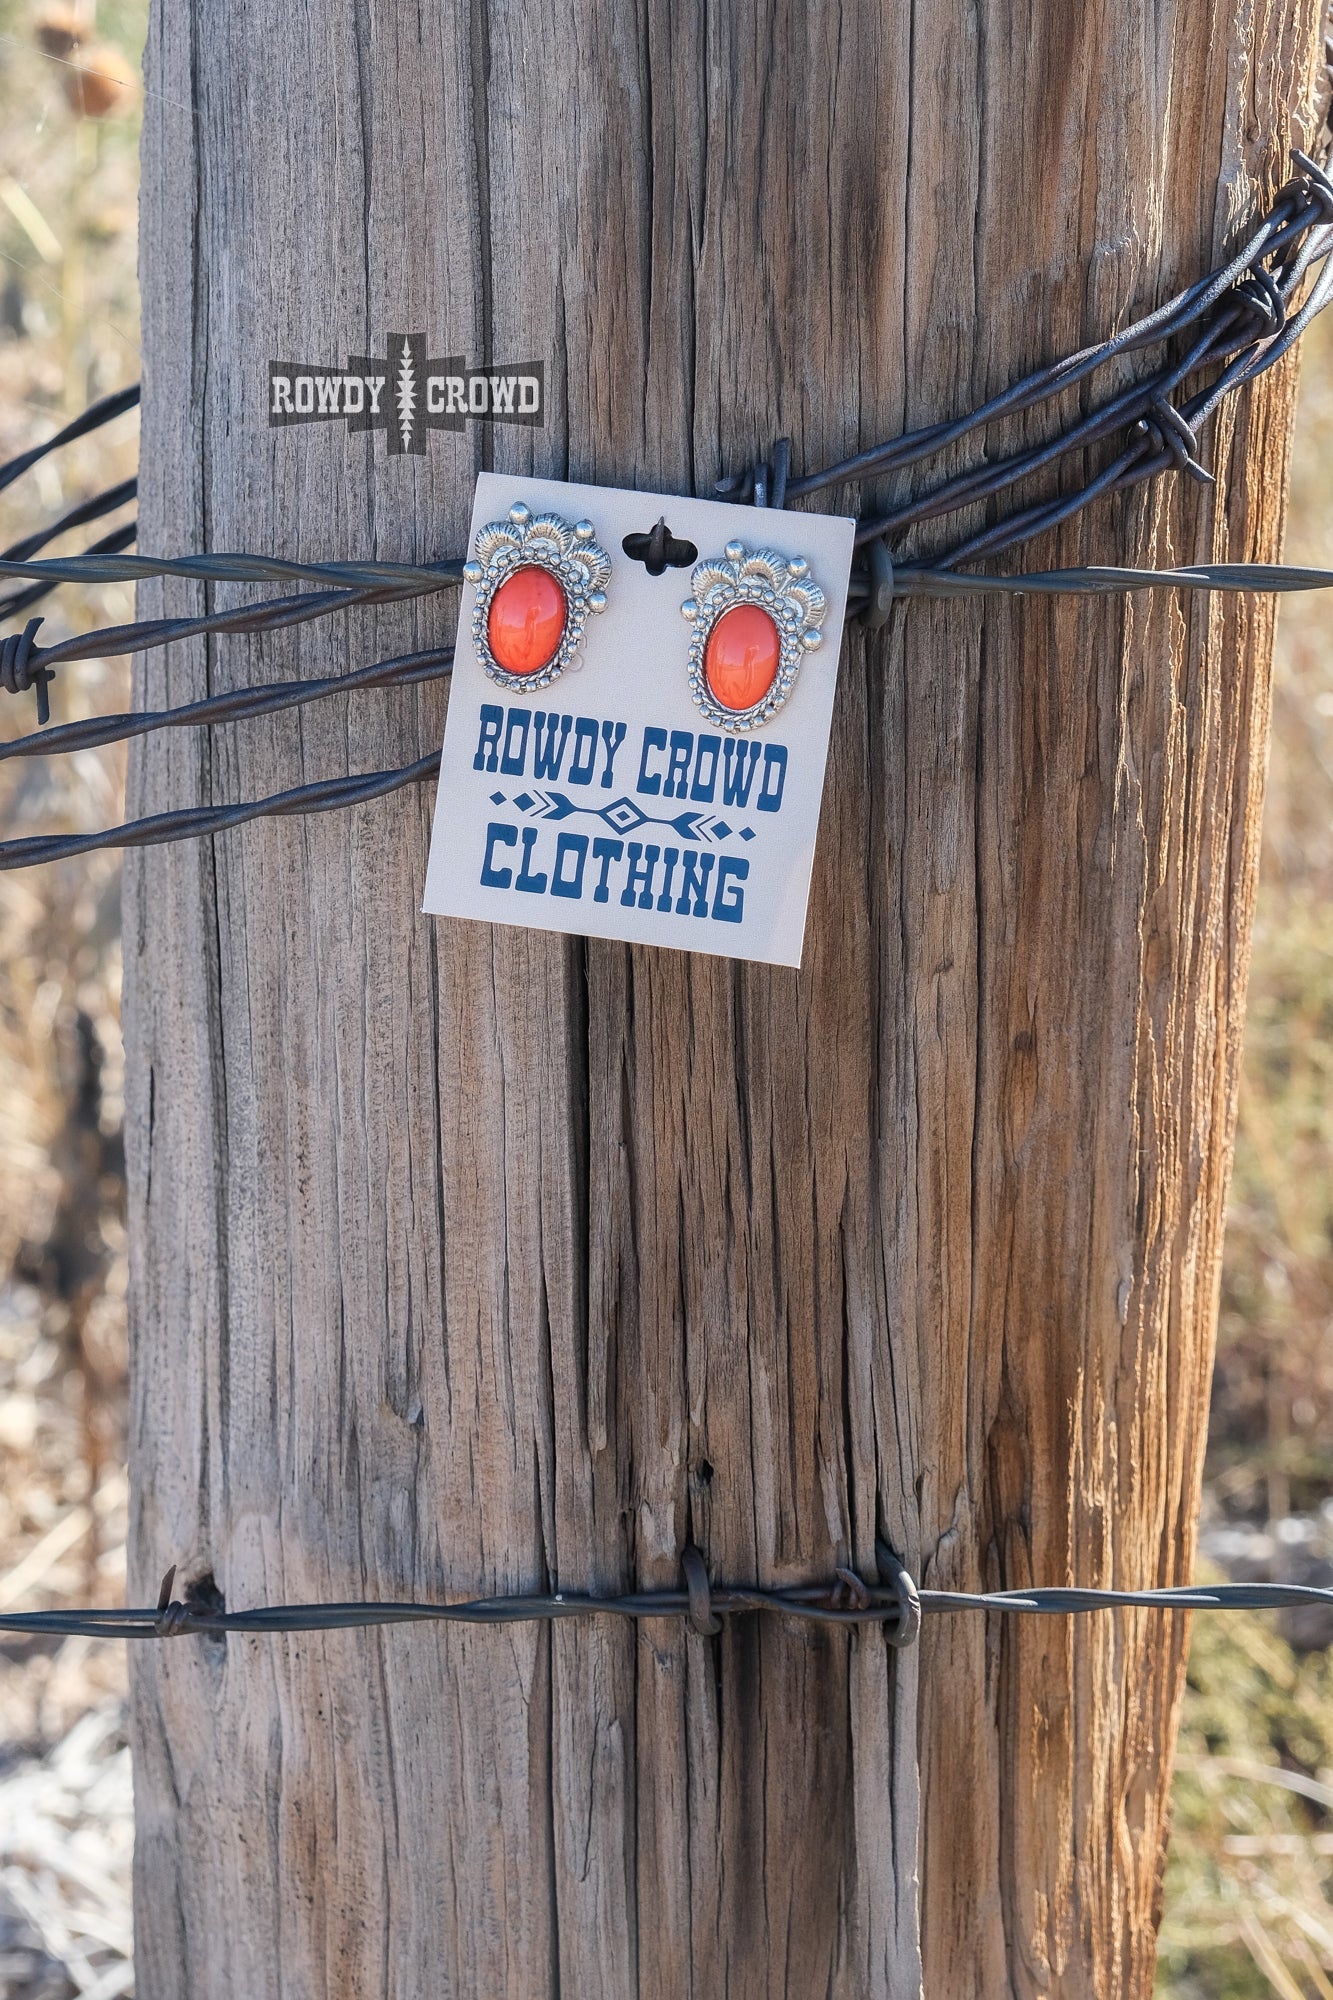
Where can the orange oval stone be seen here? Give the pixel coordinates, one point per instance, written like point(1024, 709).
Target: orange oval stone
point(741, 656)
point(526, 621)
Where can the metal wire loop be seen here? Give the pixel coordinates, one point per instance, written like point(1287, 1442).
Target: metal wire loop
point(701, 1599)
point(850, 1593)
point(173, 1620)
point(1260, 296)
point(19, 671)
point(1169, 432)
point(763, 484)
point(878, 583)
point(1314, 184)
point(770, 479)
point(908, 1628)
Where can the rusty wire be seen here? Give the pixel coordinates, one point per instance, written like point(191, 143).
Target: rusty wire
point(896, 1604)
point(1237, 322)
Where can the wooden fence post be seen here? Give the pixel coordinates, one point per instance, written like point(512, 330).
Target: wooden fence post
point(466, 1258)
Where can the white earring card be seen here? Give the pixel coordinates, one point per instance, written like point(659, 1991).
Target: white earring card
point(636, 756)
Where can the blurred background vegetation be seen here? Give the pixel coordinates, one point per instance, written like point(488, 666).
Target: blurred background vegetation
point(1249, 1885)
point(69, 122)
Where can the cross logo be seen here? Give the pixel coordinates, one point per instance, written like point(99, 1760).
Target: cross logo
point(405, 395)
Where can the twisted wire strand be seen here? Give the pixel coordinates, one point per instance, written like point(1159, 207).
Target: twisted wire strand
point(270, 697)
point(1254, 328)
point(397, 576)
point(1244, 317)
point(87, 510)
point(19, 600)
point(91, 419)
point(846, 1600)
point(274, 614)
point(237, 705)
point(189, 822)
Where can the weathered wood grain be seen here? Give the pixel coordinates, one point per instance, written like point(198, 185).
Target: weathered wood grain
point(464, 1258)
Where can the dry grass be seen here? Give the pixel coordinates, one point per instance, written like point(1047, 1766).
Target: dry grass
point(1249, 1903)
point(68, 327)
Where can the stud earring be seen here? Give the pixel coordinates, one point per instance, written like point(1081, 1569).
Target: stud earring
point(538, 577)
point(755, 615)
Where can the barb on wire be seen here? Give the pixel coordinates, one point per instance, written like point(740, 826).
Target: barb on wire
point(24, 664)
point(898, 1605)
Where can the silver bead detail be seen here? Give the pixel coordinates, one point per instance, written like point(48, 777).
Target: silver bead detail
point(584, 530)
point(735, 551)
point(798, 567)
point(519, 514)
point(473, 572)
point(689, 610)
point(596, 599)
point(810, 639)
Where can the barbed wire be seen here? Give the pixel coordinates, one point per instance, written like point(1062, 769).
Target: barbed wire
point(327, 795)
point(20, 600)
point(266, 698)
point(189, 822)
point(91, 419)
point(847, 1599)
point(237, 705)
point(241, 569)
point(1240, 321)
point(1244, 311)
point(87, 510)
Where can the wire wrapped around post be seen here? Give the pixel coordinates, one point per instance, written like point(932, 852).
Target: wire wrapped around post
point(1240, 320)
point(897, 1606)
